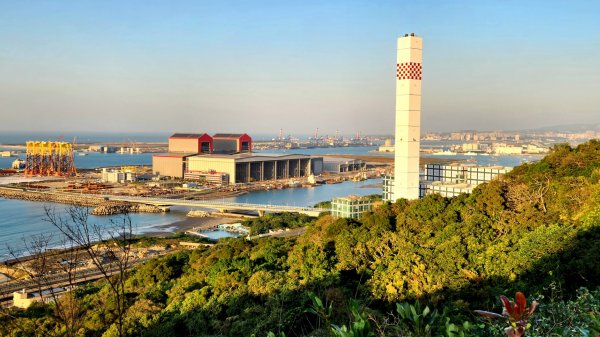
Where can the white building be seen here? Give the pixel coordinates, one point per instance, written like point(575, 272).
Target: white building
point(452, 180)
point(116, 176)
point(515, 150)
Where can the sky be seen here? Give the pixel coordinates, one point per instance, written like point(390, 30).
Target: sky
point(262, 66)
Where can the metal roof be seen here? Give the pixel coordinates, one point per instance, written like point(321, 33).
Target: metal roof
point(174, 155)
point(188, 135)
point(228, 135)
point(248, 157)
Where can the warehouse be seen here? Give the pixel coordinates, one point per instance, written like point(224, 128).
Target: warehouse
point(229, 143)
point(181, 146)
point(245, 168)
point(340, 165)
point(169, 164)
point(192, 143)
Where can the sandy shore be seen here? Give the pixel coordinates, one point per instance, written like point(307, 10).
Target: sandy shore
point(188, 224)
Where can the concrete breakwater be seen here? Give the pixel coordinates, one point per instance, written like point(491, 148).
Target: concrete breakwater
point(101, 206)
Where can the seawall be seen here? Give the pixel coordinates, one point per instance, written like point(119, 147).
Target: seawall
point(101, 206)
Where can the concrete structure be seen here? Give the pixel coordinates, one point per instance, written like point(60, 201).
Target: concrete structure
point(190, 143)
point(408, 117)
point(232, 143)
point(245, 168)
point(24, 300)
point(350, 207)
point(222, 206)
point(340, 165)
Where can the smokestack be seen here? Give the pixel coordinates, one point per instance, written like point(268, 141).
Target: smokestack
point(408, 117)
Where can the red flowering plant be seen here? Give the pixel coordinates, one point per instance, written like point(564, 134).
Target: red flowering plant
point(517, 313)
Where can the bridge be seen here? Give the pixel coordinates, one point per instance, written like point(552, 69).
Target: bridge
point(222, 206)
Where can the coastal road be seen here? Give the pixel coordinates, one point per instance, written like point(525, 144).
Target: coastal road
point(58, 280)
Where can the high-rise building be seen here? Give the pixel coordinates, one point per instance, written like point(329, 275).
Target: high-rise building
point(408, 117)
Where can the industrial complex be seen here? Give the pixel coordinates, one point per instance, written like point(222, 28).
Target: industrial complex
point(227, 159)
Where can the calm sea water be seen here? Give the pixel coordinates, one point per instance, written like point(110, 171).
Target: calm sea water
point(20, 220)
point(309, 196)
point(95, 160)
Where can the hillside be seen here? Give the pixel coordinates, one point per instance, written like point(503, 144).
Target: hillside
point(536, 230)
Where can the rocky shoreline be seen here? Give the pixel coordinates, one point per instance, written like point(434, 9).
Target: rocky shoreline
point(101, 206)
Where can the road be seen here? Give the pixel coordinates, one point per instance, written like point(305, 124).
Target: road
point(58, 280)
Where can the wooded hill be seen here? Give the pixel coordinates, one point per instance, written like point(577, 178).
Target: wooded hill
point(535, 230)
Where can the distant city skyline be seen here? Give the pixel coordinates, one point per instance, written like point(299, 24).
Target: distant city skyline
point(154, 66)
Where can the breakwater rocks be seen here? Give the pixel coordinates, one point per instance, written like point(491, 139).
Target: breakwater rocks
point(111, 208)
point(101, 206)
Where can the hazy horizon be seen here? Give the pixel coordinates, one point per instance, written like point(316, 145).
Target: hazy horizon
point(161, 67)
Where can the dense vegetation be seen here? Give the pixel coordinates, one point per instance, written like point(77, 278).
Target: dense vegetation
point(536, 230)
point(276, 221)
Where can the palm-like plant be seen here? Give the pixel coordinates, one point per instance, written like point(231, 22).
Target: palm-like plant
point(517, 313)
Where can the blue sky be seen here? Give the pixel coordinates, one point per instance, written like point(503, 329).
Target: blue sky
point(258, 66)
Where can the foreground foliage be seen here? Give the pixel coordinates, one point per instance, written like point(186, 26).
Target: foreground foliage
point(412, 268)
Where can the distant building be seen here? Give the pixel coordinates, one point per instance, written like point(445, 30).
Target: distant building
point(102, 148)
point(169, 164)
point(184, 145)
point(452, 180)
point(117, 176)
point(23, 299)
point(340, 165)
point(232, 143)
point(466, 147)
point(350, 207)
point(18, 164)
point(190, 143)
point(387, 146)
point(534, 149)
point(514, 150)
point(449, 180)
point(246, 168)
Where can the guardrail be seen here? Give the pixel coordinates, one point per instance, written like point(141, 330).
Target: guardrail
point(214, 203)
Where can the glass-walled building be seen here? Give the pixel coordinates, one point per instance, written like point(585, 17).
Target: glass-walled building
point(350, 207)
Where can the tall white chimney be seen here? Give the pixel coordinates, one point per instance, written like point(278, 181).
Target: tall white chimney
point(408, 117)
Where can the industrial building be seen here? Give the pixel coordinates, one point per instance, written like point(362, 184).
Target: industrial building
point(169, 164)
point(341, 165)
point(232, 143)
point(447, 180)
point(183, 145)
point(246, 168)
point(350, 207)
point(190, 143)
point(408, 117)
